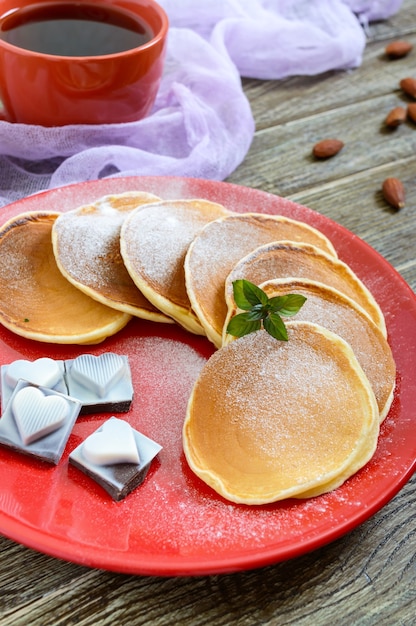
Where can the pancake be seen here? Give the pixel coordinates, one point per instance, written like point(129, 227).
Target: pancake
point(269, 420)
point(36, 301)
point(289, 260)
point(338, 313)
point(154, 240)
point(86, 244)
point(220, 245)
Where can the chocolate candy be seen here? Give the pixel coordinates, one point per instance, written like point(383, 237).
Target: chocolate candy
point(102, 383)
point(38, 421)
point(45, 372)
point(116, 456)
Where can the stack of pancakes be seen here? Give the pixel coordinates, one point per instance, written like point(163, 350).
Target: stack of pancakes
point(267, 419)
point(63, 278)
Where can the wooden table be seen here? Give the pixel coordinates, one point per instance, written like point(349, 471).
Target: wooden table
point(368, 576)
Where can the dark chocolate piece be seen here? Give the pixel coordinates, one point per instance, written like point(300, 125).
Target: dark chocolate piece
point(118, 479)
point(101, 383)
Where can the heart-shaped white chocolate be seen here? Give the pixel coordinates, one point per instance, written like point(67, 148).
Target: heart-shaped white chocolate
point(98, 373)
point(113, 443)
point(37, 415)
point(45, 372)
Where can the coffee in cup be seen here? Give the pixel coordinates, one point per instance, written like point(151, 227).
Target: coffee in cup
point(70, 62)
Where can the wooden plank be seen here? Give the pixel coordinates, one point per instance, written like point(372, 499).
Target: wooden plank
point(280, 159)
point(357, 203)
point(366, 577)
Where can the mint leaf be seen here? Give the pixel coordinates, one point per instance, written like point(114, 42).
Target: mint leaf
point(275, 327)
point(241, 325)
point(247, 295)
point(287, 305)
point(262, 310)
point(257, 312)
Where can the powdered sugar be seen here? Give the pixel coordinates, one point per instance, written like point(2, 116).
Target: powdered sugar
point(87, 242)
point(342, 316)
point(221, 245)
point(84, 242)
point(156, 239)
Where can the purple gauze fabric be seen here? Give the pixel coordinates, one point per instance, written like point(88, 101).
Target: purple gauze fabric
point(201, 124)
point(372, 10)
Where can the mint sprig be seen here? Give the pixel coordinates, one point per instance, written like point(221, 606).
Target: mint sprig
point(260, 310)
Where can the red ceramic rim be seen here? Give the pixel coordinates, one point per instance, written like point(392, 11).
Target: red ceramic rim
point(156, 38)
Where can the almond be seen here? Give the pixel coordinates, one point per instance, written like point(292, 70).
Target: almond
point(327, 148)
point(393, 192)
point(398, 49)
point(408, 85)
point(396, 117)
point(411, 111)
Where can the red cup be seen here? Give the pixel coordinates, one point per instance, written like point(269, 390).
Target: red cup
point(101, 87)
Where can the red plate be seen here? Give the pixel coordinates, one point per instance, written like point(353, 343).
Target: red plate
point(173, 524)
